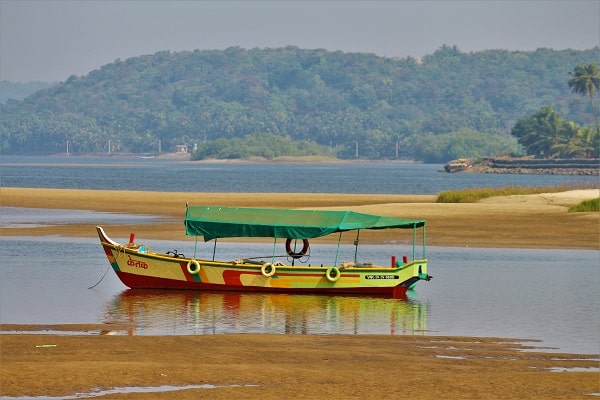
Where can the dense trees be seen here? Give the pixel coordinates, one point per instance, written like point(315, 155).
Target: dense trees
point(265, 145)
point(449, 104)
point(547, 135)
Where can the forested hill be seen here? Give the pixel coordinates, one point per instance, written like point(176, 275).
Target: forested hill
point(448, 102)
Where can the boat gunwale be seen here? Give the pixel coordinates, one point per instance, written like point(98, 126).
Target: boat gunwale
point(124, 249)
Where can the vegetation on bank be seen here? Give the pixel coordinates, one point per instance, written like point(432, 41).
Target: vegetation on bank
point(473, 195)
point(547, 135)
point(447, 105)
point(263, 145)
point(592, 205)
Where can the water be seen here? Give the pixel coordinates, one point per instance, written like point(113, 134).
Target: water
point(518, 293)
point(547, 295)
point(160, 174)
point(18, 217)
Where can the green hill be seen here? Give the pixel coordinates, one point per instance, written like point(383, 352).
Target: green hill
point(448, 104)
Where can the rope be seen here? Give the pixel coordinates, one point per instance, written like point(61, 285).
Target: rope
point(97, 283)
point(119, 249)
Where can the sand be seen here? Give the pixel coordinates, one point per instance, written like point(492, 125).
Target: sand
point(532, 221)
point(248, 366)
point(292, 367)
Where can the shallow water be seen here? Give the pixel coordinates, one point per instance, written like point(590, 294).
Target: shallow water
point(18, 217)
point(547, 295)
point(119, 390)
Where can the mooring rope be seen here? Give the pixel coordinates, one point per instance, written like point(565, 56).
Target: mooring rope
point(97, 283)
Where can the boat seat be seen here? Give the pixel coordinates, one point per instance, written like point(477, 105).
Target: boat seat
point(255, 262)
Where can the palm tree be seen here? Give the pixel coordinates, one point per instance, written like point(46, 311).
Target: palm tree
point(572, 141)
point(586, 81)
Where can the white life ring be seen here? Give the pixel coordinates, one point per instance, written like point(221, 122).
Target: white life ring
point(333, 274)
point(268, 269)
point(193, 267)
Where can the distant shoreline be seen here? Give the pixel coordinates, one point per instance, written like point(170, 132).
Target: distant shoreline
point(479, 167)
point(251, 160)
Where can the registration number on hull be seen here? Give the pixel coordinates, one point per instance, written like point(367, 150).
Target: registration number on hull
point(382, 277)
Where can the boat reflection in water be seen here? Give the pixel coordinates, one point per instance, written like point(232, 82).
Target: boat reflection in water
point(166, 312)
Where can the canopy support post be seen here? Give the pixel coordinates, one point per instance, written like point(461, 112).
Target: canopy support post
point(424, 247)
point(337, 251)
point(273, 255)
point(414, 242)
point(214, 249)
point(356, 245)
point(195, 246)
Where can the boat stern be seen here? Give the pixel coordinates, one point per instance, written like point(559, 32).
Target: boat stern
point(413, 272)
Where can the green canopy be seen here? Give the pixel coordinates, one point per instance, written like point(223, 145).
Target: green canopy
point(214, 222)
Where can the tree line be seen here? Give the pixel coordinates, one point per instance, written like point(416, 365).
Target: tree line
point(546, 134)
point(448, 104)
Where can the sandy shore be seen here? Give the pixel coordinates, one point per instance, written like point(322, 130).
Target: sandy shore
point(249, 366)
point(292, 367)
point(533, 221)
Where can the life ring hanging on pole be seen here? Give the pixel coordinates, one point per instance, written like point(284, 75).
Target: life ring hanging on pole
point(301, 253)
point(193, 267)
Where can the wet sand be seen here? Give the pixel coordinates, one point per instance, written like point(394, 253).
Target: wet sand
point(254, 366)
point(249, 366)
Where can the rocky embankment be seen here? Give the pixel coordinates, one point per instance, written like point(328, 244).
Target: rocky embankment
point(588, 166)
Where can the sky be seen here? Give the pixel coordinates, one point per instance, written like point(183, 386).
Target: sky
point(50, 40)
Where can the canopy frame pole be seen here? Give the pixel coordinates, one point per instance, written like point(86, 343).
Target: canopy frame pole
point(424, 247)
point(356, 245)
point(214, 249)
point(195, 246)
point(337, 251)
point(274, 247)
point(414, 251)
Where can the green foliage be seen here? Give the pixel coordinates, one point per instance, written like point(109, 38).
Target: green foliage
point(547, 135)
point(586, 81)
point(465, 143)
point(448, 104)
point(265, 145)
point(473, 195)
point(592, 205)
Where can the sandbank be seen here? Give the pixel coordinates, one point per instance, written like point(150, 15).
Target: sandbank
point(528, 221)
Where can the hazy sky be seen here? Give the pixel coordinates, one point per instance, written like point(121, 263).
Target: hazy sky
point(49, 40)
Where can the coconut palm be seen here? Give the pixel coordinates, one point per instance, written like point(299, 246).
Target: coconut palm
point(572, 141)
point(586, 81)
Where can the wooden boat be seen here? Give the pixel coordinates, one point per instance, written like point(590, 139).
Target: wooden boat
point(139, 267)
point(459, 165)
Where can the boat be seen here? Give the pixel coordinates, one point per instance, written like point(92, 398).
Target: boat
point(458, 165)
point(139, 267)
